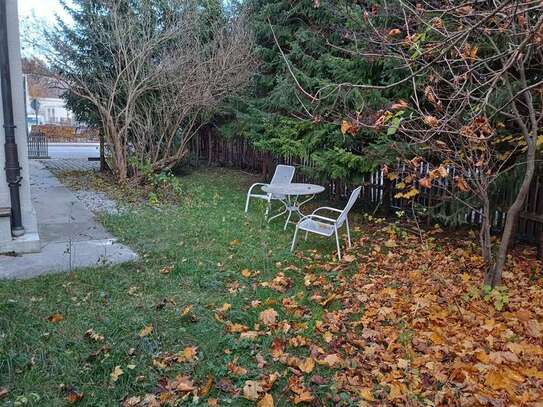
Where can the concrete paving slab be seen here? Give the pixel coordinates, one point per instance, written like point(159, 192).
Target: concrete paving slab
point(71, 236)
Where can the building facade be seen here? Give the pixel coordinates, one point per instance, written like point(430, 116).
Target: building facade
point(28, 240)
point(44, 104)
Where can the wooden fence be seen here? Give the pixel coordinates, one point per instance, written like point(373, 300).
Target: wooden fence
point(38, 146)
point(377, 191)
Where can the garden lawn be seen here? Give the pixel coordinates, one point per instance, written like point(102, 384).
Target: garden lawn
point(218, 311)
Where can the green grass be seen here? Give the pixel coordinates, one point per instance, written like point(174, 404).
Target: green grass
point(206, 240)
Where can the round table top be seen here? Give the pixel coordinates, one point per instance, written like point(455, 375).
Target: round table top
point(293, 189)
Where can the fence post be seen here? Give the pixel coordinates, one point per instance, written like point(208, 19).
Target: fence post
point(387, 195)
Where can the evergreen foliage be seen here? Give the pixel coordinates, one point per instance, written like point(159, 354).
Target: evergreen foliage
point(317, 41)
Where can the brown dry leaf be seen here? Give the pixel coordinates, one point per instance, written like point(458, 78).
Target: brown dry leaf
point(73, 397)
point(348, 258)
point(499, 381)
point(268, 317)
point(461, 184)
point(184, 384)
point(348, 127)
point(533, 328)
point(224, 308)
point(246, 273)
point(252, 389)
point(55, 318)
point(206, 388)
point(3, 392)
point(367, 394)
point(146, 331)
point(131, 401)
point(261, 362)
point(303, 397)
point(396, 390)
point(213, 402)
point(249, 335)
point(159, 363)
point(91, 334)
point(235, 328)
point(117, 372)
point(266, 401)
point(302, 394)
point(400, 104)
point(280, 283)
point(306, 365)
point(425, 182)
point(332, 360)
point(431, 121)
point(236, 370)
point(394, 32)
point(188, 354)
point(277, 348)
point(186, 310)
point(166, 270)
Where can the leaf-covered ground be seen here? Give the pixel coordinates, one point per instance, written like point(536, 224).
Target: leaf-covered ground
point(218, 312)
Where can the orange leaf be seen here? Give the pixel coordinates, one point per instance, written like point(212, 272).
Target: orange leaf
point(394, 32)
point(55, 318)
point(206, 388)
point(461, 184)
point(266, 401)
point(425, 182)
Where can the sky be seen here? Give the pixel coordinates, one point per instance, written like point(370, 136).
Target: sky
point(42, 9)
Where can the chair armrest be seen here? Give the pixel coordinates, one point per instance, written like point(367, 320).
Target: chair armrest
point(262, 184)
point(313, 216)
point(326, 208)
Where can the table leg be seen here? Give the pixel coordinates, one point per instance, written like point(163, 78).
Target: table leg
point(292, 207)
point(285, 210)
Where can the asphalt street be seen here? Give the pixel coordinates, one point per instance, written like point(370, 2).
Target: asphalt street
point(72, 150)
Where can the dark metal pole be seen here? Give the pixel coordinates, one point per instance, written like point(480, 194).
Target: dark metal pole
point(13, 169)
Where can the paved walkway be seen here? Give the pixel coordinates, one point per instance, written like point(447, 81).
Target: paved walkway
point(71, 164)
point(70, 235)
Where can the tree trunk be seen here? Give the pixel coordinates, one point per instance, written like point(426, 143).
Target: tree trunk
point(494, 274)
point(484, 235)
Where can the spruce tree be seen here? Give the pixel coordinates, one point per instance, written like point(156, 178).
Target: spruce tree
point(312, 42)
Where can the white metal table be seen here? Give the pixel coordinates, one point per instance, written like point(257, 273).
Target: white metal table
point(292, 192)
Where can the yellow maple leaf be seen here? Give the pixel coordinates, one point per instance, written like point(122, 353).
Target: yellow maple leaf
point(307, 365)
point(146, 331)
point(117, 372)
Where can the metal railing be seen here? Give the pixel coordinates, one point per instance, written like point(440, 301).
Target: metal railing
point(38, 146)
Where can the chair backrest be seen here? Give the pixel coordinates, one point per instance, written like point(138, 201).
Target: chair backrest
point(283, 174)
point(352, 199)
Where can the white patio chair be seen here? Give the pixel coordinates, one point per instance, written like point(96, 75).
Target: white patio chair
point(326, 226)
point(283, 175)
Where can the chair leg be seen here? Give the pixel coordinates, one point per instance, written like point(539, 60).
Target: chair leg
point(247, 202)
point(337, 243)
point(305, 238)
point(268, 208)
point(294, 239)
point(348, 231)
